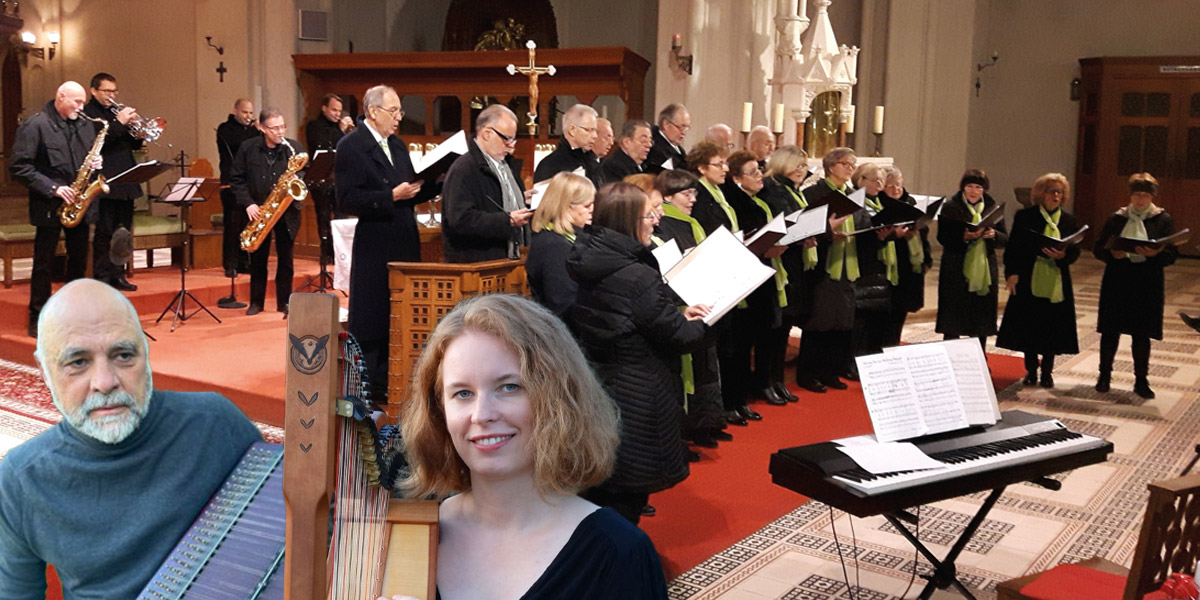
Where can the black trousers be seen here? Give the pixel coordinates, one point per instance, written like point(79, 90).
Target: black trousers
point(1141, 353)
point(870, 333)
point(324, 200)
point(114, 214)
point(233, 259)
point(45, 242)
point(1047, 363)
point(733, 357)
point(770, 352)
point(893, 327)
point(627, 504)
point(283, 268)
point(823, 355)
point(375, 359)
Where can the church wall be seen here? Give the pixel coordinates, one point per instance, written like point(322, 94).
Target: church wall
point(1023, 123)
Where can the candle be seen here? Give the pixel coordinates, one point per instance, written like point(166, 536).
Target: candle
point(850, 120)
point(777, 121)
point(878, 119)
point(747, 113)
point(675, 41)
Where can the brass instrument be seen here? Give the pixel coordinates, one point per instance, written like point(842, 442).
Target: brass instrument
point(71, 213)
point(289, 188)
point(141, 127)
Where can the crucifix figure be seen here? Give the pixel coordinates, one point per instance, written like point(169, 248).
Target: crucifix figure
point(532, 71)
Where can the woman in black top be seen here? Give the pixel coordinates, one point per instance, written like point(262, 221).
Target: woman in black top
point(566, 206)
point(913, 257)
point(969, 279)
point(1039, 318)
point(1131, 291)
point(507, 416)
point(877, 261)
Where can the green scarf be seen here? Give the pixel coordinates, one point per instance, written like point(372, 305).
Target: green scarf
point(719, 196)
point(975, 264)
point(670, 210)
point(887, 252)
point(570, 235)
point(844, 251)
point(781, 276)
point(916, 253)
point(1135, 229)
point(810, 254)
point(1047, 277)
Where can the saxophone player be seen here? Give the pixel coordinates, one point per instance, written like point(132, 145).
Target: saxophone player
point(258, 165)
point(116, 207)
point(49, 149)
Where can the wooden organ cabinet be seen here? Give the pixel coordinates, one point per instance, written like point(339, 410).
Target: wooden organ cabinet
point(1139, 114)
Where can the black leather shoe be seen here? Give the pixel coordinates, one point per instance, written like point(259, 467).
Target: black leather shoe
point(123, 284)
point(784, 393)
point(835, 383)
point(649, 511)
point(704, 440)
point(773, 398)
point(1047, 381)
point(733, 417)
point(851, 374)
point(812, 385)
point(721, 435)
point(1030, 378)
point(747, 413)
point(1103, 383)
point(1193, 322)
point(1142, 388)
point(253, 310)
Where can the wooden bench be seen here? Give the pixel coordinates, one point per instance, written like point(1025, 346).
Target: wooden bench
point(149, 233)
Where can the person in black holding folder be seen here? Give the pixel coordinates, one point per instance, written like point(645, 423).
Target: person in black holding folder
point(373, 175)
point(1131, 291)
point(914, 258)
point(1039, 318)
point(574, 150)
point(323, 133)
point(880, 272)
point(484, 212)
point(116, 207)
point(968, 283)
point(259, 164)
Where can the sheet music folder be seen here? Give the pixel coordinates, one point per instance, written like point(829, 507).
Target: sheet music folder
point(320, 168)
point(141, 173)
point(436, 162)
point(190, 189)
point(1125, 244)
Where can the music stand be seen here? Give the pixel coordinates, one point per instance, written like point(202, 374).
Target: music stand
point(318, 172)
point(184, 192)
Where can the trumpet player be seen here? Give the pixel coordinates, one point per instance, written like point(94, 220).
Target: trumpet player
point(323, 133)
point(116, 207)
point(257, 167)
point(49, 150)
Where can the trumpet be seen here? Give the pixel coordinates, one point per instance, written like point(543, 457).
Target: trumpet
point(141, 128)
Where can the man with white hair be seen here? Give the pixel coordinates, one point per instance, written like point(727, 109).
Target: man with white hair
point(630, 156)
point(106, 493)
point(721, 135)
point(761, 143)
point(574, 150)
point(674, 121)
point(604, 138)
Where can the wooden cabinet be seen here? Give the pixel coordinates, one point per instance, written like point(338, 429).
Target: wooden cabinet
point(1139, 114)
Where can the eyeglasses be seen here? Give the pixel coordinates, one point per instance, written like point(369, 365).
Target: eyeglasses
point(849, 164)
point(757, 172)
point(718, 164)
point(678, 126)
point(395, 111)
point(587, 129)
point(1056, 191)
point(508, 141)
point(282, 127)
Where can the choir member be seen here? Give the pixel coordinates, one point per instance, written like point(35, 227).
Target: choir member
point(761, 143)
point(574, 151)
point(566, 206)
point(1131, 291)
point(629, 158)
point(1039, 318)
point(633, 334)
point(913, 257)
point(506, 425)
point(968, 279)
point(604, 138)
point(709, 160)
point(879, 272)
point(674, 121)
point(721, 135)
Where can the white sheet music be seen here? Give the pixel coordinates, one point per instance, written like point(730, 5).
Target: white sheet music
point(889, 392)
point(668, 164)
point(456, 144)
point(720, 272)
point(974, 380)
point(808, 223)
point(859, 197)
point(937, 397)
point(667, 255)
point(183, 189)
point(890, 457)
point(535, 199)
point(776, 225)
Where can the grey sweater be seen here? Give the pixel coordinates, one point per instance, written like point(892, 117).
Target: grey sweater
point(107, 515)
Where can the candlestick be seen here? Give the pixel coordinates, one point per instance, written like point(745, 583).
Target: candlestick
point(747, 114)
point(878, 120)
point(777, 121)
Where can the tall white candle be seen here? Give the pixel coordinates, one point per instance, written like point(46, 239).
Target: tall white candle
point(747, 113)
point(850, 120)
point(777, 121)
point(878, 119)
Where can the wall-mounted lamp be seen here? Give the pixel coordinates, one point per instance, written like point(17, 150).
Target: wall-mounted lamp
point(979, 67)
point(25, 46)
point(683, 62)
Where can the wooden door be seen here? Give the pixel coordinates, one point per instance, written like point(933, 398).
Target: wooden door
point(1185, 200)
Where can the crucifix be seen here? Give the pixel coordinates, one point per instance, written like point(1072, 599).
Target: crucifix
point(221, 70)
point(532, 71)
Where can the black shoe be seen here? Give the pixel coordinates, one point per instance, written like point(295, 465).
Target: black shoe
point(1047, 380)
point(254, 309)
point(733, 417)
point(721, 435)
point(747, 413)
point(704, 440)
point(123, 284)
point(773, 398)
point(648, 511)
point(32, 327)
point(851, 374)
point(835, 383)
point(1103, 383)
point(1142, 388)
point(692, 456)
point(812, 385)
point(1193, 322)
point(1030, 378)
point(784, 393)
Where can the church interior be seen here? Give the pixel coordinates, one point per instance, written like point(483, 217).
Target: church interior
point(1094, 89)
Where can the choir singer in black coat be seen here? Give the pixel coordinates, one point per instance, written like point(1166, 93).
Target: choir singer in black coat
point(566, 207)
point(967, 302)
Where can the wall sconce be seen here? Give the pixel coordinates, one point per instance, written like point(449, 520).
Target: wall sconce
point(683, 62)
point(25, 46)
point(979, 67)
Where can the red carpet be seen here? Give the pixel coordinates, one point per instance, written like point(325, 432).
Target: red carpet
point(729, 494)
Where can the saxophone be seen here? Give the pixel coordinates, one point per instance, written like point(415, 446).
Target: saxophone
point(289, 188)
point(71, 213)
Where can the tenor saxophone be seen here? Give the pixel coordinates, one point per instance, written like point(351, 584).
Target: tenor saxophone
point(287, 189)
point(71, 213)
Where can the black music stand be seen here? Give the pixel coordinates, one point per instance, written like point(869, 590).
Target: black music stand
point(318, 172)
point(184, 192)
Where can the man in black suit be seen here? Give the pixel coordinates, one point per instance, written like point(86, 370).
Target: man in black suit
point(761, 143)
point(574, 150)
point(372, 175)
point(604, 138)
point(257, 167)
point(116, 207)
point(630, 156)
point(237, 128)
point(484, 216)
point(674, 121)
point(323, 133)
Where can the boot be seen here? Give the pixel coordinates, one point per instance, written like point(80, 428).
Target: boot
point(1103, 382)
point(1141, 387)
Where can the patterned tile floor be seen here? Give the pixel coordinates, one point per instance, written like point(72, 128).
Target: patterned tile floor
point(1097, 512)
